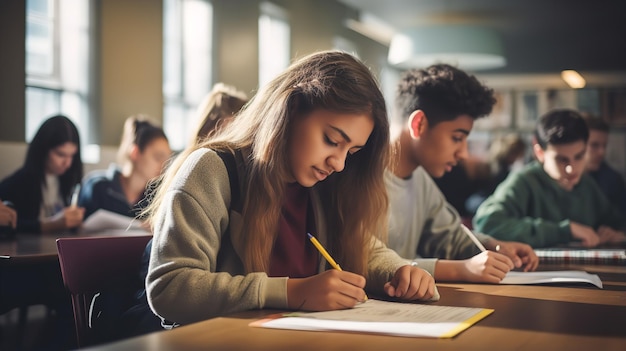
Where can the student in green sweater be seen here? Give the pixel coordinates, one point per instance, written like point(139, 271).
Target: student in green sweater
point(552, 200)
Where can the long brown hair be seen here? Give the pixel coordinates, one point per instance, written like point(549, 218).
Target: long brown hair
point(354, 201)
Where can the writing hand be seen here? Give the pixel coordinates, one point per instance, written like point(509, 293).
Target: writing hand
point(73, 216)
point(486, 267)
point(411, 283)
point(330, 290)
point(521, 254)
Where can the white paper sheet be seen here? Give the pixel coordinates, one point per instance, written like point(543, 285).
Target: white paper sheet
point(103, 220)
point(522, 278)
point(382, 317)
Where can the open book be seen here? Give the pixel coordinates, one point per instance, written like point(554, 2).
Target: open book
point(546, 277)
point(383, 317)
point(103, 220)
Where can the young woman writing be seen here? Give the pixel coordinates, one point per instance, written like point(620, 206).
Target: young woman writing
point(307, 155)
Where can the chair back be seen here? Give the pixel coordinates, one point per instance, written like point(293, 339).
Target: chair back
point(91, 265)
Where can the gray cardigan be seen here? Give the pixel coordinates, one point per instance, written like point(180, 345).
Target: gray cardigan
point(194, 274)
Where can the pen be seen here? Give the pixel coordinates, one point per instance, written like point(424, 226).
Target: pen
point(473, 237)
point(325, 253)
point(74, 201)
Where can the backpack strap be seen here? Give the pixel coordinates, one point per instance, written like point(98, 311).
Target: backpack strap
point(233, 178)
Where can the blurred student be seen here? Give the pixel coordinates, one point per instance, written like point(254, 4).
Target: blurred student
point(552, 200)
point(506, 155)
point(42, 188)
point(216, 110)
point(608, 179)
point(142, 154)
point(231, 217)
point(439, 105)
point(469, 177)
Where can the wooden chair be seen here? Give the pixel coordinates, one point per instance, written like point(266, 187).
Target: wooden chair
point(91, 265)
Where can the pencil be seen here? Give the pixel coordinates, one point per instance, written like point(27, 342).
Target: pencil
point(74, 201)
point(325, 253)
point(473, 237)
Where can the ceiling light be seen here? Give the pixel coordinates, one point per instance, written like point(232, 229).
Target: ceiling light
point(467, 47)
point(573, 79)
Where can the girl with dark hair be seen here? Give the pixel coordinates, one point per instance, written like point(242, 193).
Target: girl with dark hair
point(142, 153)
point(41, 190)
point(231, 216)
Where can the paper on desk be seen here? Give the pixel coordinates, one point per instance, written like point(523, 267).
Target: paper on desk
point(521, 278)
point(107, 220)
point(382, 317)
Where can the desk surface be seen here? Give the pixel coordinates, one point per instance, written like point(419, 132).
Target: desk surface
point(33, 247)
point(526, 317)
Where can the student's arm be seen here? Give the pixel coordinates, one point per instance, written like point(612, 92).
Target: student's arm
point(183, 284)
point(389, 273)
point(20, 189)
point(68, 218)
point(90, 196)
point(505, 215)
point(442, 236)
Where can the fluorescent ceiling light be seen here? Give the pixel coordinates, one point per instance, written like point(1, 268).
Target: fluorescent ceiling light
point(573, 79)
point(467, 47)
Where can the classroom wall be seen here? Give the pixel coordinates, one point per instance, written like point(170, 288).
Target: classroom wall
point(131, 64)
point(12, 68)
point(128, 54)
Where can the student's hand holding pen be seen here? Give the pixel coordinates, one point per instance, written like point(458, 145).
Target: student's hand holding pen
point(73, 216)
point(68, 218)
point(329, 290)
point(411, 283)
point(522, 255)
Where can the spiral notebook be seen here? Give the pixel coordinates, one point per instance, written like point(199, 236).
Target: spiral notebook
point(585, 256)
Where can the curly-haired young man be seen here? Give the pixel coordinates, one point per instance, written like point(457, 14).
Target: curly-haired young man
point(438, 106)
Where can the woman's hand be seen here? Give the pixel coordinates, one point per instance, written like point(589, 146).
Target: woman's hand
point(330, 290)
point(73, 216)
point(411, 283)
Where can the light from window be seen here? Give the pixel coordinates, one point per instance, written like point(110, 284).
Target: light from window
point(58, 64)
point(40, 29)
point(274, 42)
point(187, 64)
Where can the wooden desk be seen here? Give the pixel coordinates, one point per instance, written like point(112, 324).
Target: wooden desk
point(526, 317)
point(29, 269)
point(43, 246)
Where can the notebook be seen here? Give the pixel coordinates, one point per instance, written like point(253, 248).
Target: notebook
point(585, 256)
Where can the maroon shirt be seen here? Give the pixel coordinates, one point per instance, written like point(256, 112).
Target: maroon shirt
point(293, 255)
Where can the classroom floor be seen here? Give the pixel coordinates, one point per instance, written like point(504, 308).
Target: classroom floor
point(39, 334)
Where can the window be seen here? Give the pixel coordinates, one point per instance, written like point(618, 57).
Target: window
point(187, 64)
point(274, 45)
point(58, 64)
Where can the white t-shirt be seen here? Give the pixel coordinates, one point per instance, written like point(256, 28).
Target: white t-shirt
point(51, 200)
point(423, 226)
